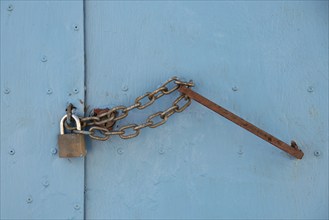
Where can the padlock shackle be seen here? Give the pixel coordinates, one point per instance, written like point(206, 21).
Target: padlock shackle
point(76, 119)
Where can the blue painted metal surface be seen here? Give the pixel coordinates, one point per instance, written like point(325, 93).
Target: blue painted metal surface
point(41, 66)
point(266, 61)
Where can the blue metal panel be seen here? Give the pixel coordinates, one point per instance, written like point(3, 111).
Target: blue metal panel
point(42, 70)
point(266, 61)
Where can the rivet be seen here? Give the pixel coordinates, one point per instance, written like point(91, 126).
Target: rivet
point(53, 151)
point(11, 151)
point(49, 91)
point(240, 152)
point(44, 58)
point(6, 91)
point(120, 150)
point(124, 88)
point(29, 199)
point(235, 88)
point(76, 207)
point(76, 27)
point(45, 183)
point(10, 7)
point(310, 89)
point(76, 90)
point(317, 153)
point(161, 151)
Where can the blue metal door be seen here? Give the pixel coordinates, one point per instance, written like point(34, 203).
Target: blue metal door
point(265, 61)
point(42, 70)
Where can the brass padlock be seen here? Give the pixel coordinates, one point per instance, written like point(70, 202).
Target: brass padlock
point(71, 145)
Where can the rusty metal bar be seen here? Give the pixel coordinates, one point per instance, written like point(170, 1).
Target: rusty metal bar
point(293, 150)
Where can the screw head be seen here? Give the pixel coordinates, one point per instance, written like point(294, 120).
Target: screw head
point(11, 151)
point(317, 153)
point(29, 199)
point(53, 151)
point(49, 91)
point(120, 151)
point(235, 88)
point(44, 58)
point(10, 7)
point(6, 90)
point(310, 89)
point(161, 150)
point(124, 88)
point(76, 27)
point(76, 207)
point(45, 183)
point(76, 90)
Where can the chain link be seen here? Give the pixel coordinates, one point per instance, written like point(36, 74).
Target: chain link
point(101, 123)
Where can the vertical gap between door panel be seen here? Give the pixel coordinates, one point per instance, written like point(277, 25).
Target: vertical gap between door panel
point(85, 102)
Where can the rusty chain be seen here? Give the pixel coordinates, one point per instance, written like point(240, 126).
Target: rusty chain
point(101, 122)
